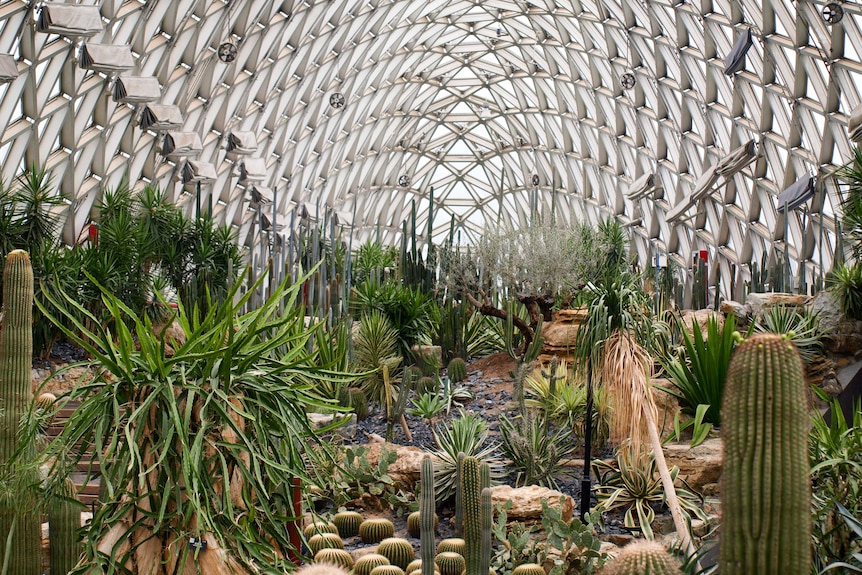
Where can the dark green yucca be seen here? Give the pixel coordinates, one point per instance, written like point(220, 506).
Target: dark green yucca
point(766, 492)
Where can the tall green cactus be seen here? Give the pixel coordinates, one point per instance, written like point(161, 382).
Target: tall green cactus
point(487, 515)
point(766, 496)
point(16, 362)
point(427, 514)
point(459, 495)
point(471, 501)
point(64, 526)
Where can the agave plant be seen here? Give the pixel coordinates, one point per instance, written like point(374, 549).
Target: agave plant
point(467, 434)
point(798, 325)
point(633, 484)
point(201, 445)
point(538, 457)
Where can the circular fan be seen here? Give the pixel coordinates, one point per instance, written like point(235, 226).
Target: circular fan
point(227, 52)
point(628, 81)
point(404, 181)
point(336, 100)
point(833, 13)
point(534, 179)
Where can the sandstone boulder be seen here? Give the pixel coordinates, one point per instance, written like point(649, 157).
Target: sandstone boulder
point(736, 309)
point(760, 302)
point(667, 405)
point(405, 470)
point(527, 501)
point(701, 316)
point(698, 466)
point(560, 333)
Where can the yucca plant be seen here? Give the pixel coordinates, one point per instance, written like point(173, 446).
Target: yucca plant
point(700, 376)
point(538, 457)
point(844, 282)
point(376, 346)
point(633, 484)
point(467, 434)
point(799, 325)
point(199, 445)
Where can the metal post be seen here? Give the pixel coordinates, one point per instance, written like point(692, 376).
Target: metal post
point(586, 481)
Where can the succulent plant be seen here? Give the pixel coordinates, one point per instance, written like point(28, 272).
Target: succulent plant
point(64, 524)
point(338, 557)
point(471, 500)
point(457, 370)
point(766, 491)
point(643, 557)
point(366, 563)
point(399, 551)
point(452, 545)
point(321, 569)
point(415, 565)
point(426, 384)
point(414, 522)
point(427, 508)
point(387, 570)
point(324, 541)
point(376, 530)
point(528, 569)
point(356, 399)
point(317, 527)
point(348, 523)
point(450, 563)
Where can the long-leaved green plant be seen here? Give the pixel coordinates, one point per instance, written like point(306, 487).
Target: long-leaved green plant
point(200, 445)
point(467, 434)
point(700, 376)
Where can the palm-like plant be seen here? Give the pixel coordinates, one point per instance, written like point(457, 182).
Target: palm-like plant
point(799, 326)
point(376, 348)
point(850, 176)
point(200, 444)
point(37, 204)
point(467, 434)
point(845, 284)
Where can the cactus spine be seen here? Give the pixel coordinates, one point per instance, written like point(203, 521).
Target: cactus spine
point(64, 524)
point(339, 557)
point(376, 530)
point(347, 523)
point(450, 563)
point(471, 501)
point(427, 515)
point(643, 558)
point(399, 551)
point(365, 564)
point(766, 489)
point(16, 362)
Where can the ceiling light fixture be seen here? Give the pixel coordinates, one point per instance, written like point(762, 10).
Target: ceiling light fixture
point(628, 81)
point(833, 13)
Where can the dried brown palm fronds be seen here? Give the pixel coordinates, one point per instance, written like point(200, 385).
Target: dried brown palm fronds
point(625, 376)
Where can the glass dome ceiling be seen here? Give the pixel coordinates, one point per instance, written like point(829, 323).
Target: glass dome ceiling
point(509, 110)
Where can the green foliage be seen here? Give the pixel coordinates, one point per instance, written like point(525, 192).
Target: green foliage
point(701, 376)
point(633, 484)
point(375, 347)
point(572, 547)
point(354, 475)
point(467, 434)
point(799, 326)
point(836, 473)
point(372, 260)
point(410, 310)
point(228, 406)
point(765, 432)
point(850, 177)
point(538, 455)
point(517, 542)
point(428, 406)
point(844, 282)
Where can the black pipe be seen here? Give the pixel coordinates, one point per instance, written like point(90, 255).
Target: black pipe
point(586, 482)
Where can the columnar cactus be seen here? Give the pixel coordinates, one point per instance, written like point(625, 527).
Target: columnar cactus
point(766, 493)
point(16, 362)
point(643, 558)
point(427, 513)
point(64, 526)
point(457, 370)
point(487, 516)
point(459, 507)
point(471, 501)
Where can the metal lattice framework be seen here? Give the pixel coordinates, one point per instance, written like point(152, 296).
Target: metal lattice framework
point(507, 108)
